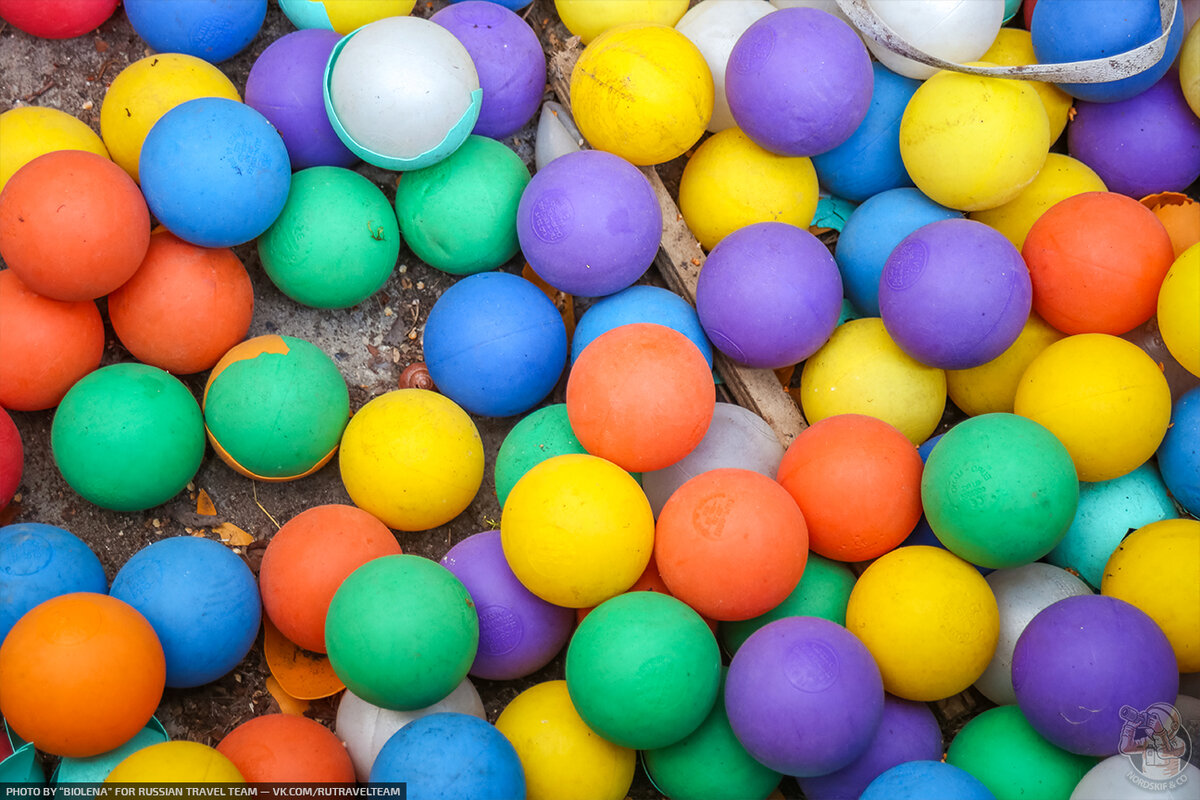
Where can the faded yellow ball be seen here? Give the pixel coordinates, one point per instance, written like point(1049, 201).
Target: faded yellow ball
point(1189, 69)
point(587, 19)
point(992, 387)
point(31, 131)
point(1178, 314)
point(1014, 47)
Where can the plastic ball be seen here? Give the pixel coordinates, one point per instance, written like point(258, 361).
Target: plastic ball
point(412, 458)
point(32, 131)
point(460, 215)
point(306, 561)
point(185, 307)
point(275, 407)
point(950, 31)
point(80, 674)
point(12, 460)
point(285, 747)
point(519, 633)
point(643, 92)
point(1080, 661)
point(577, 530)
point(343, 18)
point(860, 370)
point(1189, 71)
point(128, 437)
point(73, 226)
point(1109, 780)
point(146, 90)
point(871, 233)
point(45, 345)
point(639, 304)
point(992, 386)
point(769, 295)
point(39, 562)
point(431, 86)
point(335, 242)
point(451, 755)
point(919, 780)
point(1104, 398)
point(176, 762)
point(589, 224)
point(1014, 47)
point(540, 435)
point(1060, 178)
point(640, 396)
point(1177, 320)
point(57, 19)
point(284, 85)
point(587, 19)
point(803, 668)
point(1179, 453)
point(214, 30)
point(562, 757)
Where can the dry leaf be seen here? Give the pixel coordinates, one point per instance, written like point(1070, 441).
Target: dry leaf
point(287, 703)
point(301, 673)
point(232, 535)
point(785, 375)
point(204, 505)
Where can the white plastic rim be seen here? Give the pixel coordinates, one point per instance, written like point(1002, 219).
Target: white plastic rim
point(714, 26)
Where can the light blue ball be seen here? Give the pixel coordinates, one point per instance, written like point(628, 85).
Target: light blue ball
point(214, 30)
point(640, 304)
point(39, 562)
point(202, 601)
point(926, 780)
point(1179, 453)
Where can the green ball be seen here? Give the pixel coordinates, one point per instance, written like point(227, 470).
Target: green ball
point(401, 632)
point(540, 435)
point(999, 490)
point(643, 670)
point(1010, 758)
point(275, 407)
point(823, 591)
point(460, 215)
point(128, 437)
point(336, 241)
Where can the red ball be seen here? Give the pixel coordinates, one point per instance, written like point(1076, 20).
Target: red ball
point(641, 396)
point(12, 459)
point(731, 543)
point(284, 748)
point(56, 19)
point(858, 481)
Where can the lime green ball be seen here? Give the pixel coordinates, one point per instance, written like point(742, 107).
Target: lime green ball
point(275, 408)
point(823, 591)
point(643, 670)
point(128, 437)
point(460, 215)
point(1010, 758)
point(336, 241)
point(540, 435)
point(999, 490)
point(401, 632)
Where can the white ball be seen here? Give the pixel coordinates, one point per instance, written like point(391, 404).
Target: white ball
point(1114, 778)
point(954, 30)
point(714, 26)
point(402, 92)
point(365, 728)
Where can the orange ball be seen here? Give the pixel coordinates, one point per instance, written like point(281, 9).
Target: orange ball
point(278, 748)
point(651, 581)
point(307, 560)
point(641, 396)
point(184, 307)
point(73, 225)
point(80, 674)
point(858, 481)
point(45, 345)
point(1097, 260)
point(731, 543)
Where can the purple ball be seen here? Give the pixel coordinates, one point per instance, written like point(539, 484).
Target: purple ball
point(589, 223)
point(1081, 661)
point(799, 82)
point(1149, 143)
point(769, 295)
point(284, 86)
point(519, 633)
point(955, 294)
point(508, 58)
point(804, 696)
point(907, 732)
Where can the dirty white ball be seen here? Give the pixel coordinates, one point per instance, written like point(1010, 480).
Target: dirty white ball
point(955, 30)
point(1114, 778)
point(714, 26)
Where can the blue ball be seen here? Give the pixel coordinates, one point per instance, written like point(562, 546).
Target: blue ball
point(448, 756)
point(38, 562)
point(870, 235)
point(215, 172)
point(869, 161)
point(926, 780)
point(201, 600)
point(1179, 453)
point(495, 344)
point(640, 304)
point(214, 30)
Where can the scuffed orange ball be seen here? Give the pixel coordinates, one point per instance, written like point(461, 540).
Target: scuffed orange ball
point(284, 748)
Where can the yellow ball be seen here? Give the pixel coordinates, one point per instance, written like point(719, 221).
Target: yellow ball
point(1179, 309)
point(643, 92)
point(175, 762)
point(149, 88)
point(562, 757)
point(860, 370)
point(1104, 398)
point(30, 131)
point(412, 458)
point(1157, 569)
point(929, 619)
point(1014, 47)
point(1189, 69)
point(992, 387)
point(730, 182)
point(587, 19)
point(577, 530)
point(973, 143)
point(1061, 177)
